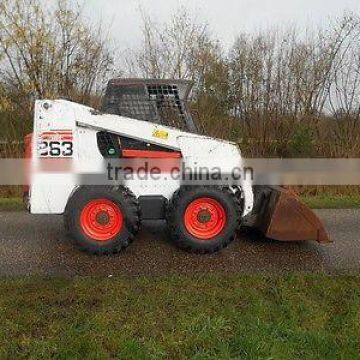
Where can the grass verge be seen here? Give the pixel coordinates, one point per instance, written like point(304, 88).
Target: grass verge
point(332, 201)
point(250, 317)
point(314, 202)
point(11, 204)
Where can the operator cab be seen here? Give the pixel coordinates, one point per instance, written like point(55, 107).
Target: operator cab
point(161, 102)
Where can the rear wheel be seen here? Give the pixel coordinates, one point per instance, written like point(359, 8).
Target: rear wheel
point(204, 219)
point(102, 220)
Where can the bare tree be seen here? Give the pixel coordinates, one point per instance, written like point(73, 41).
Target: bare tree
point(49, 52)
point(46, 52)
point(344, 90)
point(176, 49)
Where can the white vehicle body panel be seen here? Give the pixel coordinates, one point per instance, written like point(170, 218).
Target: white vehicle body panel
point(60, 119)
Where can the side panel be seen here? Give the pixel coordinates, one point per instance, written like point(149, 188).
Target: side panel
point(55, 178)
point(52, 181)
point(212, 153)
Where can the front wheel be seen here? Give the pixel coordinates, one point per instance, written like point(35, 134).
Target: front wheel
point(102, 220)
point(204, 219)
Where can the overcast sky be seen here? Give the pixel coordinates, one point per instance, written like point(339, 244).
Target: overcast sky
point(226, 17)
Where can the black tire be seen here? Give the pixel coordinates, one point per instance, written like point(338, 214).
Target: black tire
point(182, 238)
point(126, 203)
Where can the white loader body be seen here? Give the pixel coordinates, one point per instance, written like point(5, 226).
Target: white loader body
point(65, 137)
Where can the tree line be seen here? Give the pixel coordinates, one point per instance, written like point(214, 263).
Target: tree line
point(279, 92)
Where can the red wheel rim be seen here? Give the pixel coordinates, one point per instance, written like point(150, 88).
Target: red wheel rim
point(205, 218)
point(101, 219)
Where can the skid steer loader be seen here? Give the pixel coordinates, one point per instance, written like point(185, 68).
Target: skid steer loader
point(148, 121)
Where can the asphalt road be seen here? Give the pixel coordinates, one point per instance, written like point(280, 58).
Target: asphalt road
point(37, 245)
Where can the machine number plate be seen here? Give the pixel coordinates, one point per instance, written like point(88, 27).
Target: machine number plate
point(56, 144)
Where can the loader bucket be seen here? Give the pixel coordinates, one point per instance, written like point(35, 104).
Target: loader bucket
point(284, 217)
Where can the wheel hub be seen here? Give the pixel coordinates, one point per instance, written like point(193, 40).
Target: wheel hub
point(205, 218)
point(101, 219)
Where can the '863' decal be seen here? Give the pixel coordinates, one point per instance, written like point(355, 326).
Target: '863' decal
point(57, 143)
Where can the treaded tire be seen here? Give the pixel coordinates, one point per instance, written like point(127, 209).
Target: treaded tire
point(127, 203)
point(182, 238)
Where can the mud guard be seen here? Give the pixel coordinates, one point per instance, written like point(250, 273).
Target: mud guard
point(280, 215)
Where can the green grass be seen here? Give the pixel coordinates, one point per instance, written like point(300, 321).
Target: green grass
point(332, 201)
point(11, 204)
point(210, 317)
point(315, 202)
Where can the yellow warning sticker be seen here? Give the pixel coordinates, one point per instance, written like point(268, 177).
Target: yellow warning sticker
point(160, 134)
